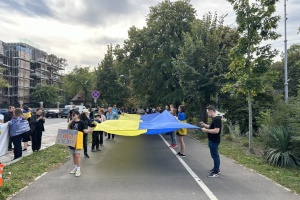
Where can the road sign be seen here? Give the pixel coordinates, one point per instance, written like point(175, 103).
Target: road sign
point(95, 94)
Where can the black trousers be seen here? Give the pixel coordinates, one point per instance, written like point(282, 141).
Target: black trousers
point(10, 143)
point(95, 139)
point(17, 141)
point(101, 137)
point(112, 135)
point(85, 139)
point(26, 136)
point(36, 137)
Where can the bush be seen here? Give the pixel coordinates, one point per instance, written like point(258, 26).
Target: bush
point(280, 147)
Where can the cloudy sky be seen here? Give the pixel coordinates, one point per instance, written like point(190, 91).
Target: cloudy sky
point(80, 30)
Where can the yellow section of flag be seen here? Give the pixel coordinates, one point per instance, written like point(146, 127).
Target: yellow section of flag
point(120, 127)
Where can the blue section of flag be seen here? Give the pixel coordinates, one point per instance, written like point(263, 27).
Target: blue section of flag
point(163, 123)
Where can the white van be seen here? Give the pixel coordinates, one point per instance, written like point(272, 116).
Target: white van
point(80, 108)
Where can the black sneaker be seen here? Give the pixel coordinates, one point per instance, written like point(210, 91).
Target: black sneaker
point(213, 175)
point(180, 154)
point(86, 155)
point(212, 171)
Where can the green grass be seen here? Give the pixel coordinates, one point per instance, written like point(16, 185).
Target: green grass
point(19, 174)
point(237, 149)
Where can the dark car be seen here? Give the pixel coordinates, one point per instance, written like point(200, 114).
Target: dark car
point(3, 111)
point(52, 113)
point(64, 113)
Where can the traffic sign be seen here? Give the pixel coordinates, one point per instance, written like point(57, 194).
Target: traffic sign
point(95, 94)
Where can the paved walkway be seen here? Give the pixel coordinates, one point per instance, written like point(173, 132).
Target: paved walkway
point(48, 139)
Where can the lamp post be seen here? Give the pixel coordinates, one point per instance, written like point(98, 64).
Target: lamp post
point(286, 95)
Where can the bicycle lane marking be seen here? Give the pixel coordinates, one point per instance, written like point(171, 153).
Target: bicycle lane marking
point(192, 173)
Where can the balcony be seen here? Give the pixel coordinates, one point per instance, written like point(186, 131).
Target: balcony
point(4, 65)
point(22, 58)
point(7, 75)
point(36, 74)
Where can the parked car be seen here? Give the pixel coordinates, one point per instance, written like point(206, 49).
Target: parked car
point(52, 113)
point(3, 111)
point(64, 113)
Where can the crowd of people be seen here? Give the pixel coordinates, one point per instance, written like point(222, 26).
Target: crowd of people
point(24, 127)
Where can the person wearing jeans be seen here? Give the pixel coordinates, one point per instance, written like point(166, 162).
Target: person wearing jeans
point(110, 115)
point(214, 137)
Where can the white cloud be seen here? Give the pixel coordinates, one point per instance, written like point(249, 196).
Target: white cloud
point(80, 30)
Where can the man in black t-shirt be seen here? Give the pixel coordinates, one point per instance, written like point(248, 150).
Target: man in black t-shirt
point(214, 138)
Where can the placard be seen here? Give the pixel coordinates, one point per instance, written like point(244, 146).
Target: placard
point(66, 137)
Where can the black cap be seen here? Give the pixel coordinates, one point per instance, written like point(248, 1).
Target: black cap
point(97, 116)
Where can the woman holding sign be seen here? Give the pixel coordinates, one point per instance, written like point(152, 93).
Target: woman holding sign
point(78, 125)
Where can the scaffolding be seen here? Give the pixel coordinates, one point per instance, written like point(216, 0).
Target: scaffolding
point(26, 66)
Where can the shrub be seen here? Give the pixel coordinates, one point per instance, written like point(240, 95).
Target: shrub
point(280, 150)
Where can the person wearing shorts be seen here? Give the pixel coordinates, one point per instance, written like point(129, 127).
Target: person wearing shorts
point(182, 132)
point(76, 124)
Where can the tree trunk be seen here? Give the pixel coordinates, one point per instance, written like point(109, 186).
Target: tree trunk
point(250, 122)
point(203, 114)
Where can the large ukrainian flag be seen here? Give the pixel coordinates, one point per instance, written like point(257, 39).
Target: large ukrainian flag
point(133, 125)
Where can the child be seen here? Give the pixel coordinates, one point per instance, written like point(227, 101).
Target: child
point(96, 134)
point(182, 132)
point(76, 124)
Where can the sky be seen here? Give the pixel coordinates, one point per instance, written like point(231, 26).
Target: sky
point(80, 30)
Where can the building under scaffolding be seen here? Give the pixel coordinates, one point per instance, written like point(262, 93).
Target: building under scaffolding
point(26, 66)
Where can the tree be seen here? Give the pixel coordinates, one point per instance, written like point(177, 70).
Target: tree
point(3, 82)
point(293, 70)
point(251, 60)
point(203, 61)
point(149, 52)
point(46, 94)
point(81, 79)
point(108, 80)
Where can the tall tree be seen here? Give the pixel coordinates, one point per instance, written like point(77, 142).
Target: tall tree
point(46, 94)
point(149, 51)
point(109, 81)
point(83, 80)
point(203, 60)
point(250, 59)
point(293, 70)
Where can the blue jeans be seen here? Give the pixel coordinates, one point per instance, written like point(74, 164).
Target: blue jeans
point(173, 137)
point(213, 147)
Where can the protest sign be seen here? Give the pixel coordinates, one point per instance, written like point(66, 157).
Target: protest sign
point(66, 137)
point(4, 138)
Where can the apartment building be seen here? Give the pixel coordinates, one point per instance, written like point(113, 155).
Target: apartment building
point(26, 66)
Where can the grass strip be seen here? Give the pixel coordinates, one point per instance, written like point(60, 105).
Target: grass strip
point(237, 150)
point(19, 174)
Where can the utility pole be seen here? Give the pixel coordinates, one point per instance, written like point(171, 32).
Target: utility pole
point(286, 95)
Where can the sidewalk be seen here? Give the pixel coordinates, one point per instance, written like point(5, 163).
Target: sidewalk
point(48, 139)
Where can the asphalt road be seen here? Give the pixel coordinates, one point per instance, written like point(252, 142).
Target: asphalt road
point(144, 167)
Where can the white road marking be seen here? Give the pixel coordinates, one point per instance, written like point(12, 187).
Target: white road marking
point(195, 177)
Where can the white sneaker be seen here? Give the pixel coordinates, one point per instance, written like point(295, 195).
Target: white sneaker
point(73, 171)
point(77, 173)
